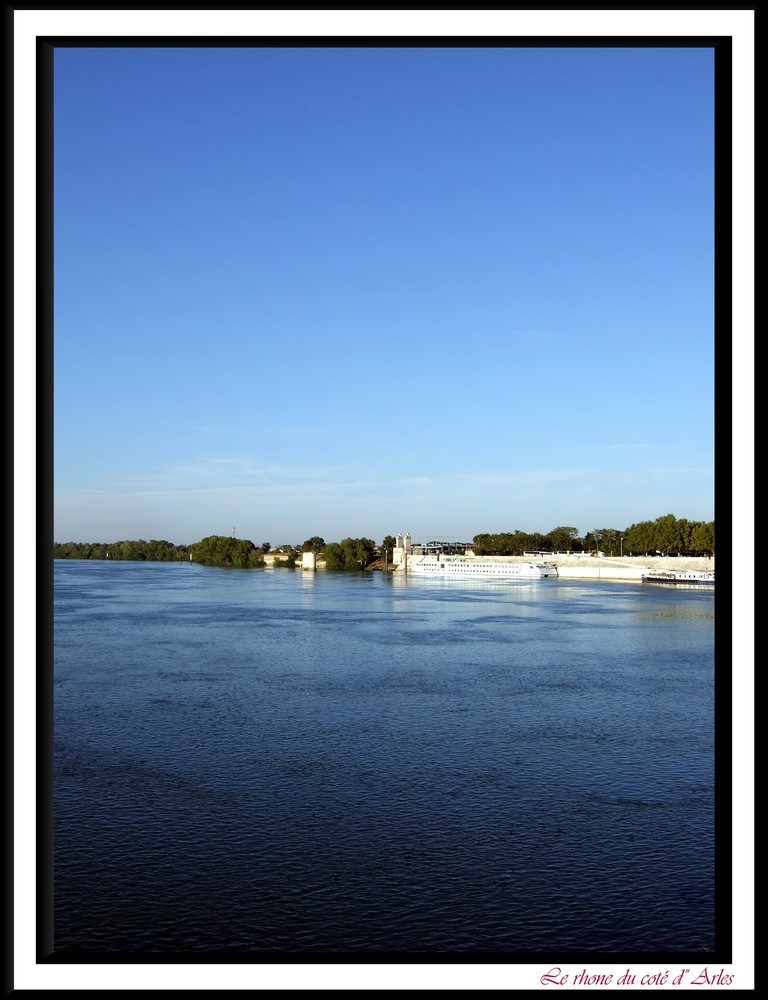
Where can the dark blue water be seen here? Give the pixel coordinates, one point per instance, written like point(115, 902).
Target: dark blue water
point(276, 762)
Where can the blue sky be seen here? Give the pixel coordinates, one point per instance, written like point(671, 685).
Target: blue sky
point(328, 291)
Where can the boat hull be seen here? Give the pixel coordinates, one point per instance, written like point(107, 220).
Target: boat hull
point(483, 569)
point(690, 579)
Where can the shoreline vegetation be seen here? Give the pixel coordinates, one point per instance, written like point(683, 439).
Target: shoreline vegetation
point(667, 537)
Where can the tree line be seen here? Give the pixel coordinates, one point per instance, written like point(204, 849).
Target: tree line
point(667, 535)
point(349, 554)
point(151, 551)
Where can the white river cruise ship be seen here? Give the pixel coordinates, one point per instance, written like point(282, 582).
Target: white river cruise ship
point(464, 566)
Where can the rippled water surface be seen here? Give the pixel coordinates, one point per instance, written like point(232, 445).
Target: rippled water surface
point(270, 761)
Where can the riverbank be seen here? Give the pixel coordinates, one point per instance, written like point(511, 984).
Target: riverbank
point(603, 567)
point(627, 567)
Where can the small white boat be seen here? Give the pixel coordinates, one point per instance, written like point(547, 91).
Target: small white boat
point(690, 577)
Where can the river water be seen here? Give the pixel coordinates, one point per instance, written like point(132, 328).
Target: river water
point(275, 762)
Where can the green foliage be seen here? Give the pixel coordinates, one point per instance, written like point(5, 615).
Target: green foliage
point(563, 539)
point(388, 543)
point(333, 554)
point(502, 544)
point(611, 540)
point(151, 551)
point(607, 540)
point(538, 542)
point(702, 537)
point(223, 550)
point(669, 535)
point(314, 544)
point(350, 554)
point(134, 551)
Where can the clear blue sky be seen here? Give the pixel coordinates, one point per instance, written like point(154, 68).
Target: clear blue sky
point(338, 292)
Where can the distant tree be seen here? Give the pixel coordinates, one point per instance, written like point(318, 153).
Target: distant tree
point(538, 542)
point(358, 552)
point(638, 538)
point(314, 544)
point(563, 539)
point(501, 544)
point(349, 554)
point(134, 550)
point(667, 534)
point(333, 555)
point(388, 543)
point(67, 550)
point(163, 551)
point(607, 540)
point(684, 536)
point(289, 562)
point(265, 547)
point(226, 551)
point(702, 537)
point(243, 552)
point(603, 540)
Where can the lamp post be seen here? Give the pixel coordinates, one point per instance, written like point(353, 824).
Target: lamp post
point(622, 545)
